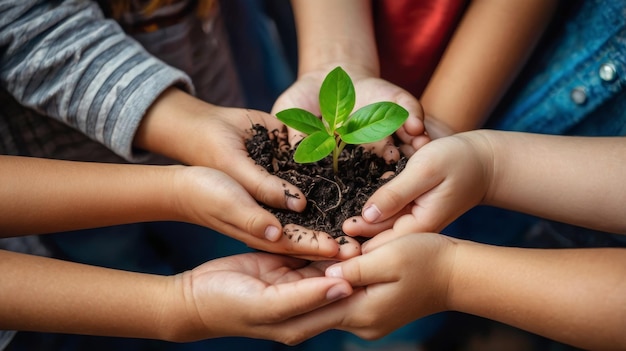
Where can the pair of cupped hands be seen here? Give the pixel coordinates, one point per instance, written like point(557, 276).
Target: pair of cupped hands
point(293, 290)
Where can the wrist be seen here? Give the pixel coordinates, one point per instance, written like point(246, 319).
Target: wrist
point(449, 264)
point(170, 124)
point(332, 34)
point(489, 145)
point(482, 148)
point(346, 55)
point(179, 320)
point(461, 276)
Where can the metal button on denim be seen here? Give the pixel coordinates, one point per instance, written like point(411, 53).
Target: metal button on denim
point(607, 72)
point(579, 95)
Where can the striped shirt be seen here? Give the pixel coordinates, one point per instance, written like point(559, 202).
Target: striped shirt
point(74, 85)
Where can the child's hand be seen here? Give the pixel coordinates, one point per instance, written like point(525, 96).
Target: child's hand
point(441, 181)
point(401, 280)
point(211, 198)
point(304, 94)
point(196, 133)
point(255, 295)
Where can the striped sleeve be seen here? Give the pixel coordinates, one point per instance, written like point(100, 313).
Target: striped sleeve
point(64, 60)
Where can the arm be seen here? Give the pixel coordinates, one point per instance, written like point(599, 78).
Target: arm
point(252, 295)
point(52, 195)
point(490, 46)
point(64, 60)
point(576, 180)
point(121, 96)
point(101, 82)
point(573, 296)
point(331, 34)
point(44, 196)
point(194, 132)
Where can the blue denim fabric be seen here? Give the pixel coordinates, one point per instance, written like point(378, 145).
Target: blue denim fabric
point(592, 34)
point(585, 36)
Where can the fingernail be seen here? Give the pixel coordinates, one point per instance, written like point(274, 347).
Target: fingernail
point(292, 203)
point(272, 233)
point(371, 213)
point(334, 271)
point(337, 292)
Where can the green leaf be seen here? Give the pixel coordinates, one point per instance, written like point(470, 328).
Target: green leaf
point(373, 122)
point(302, 120)
point(337, 98)
point(314, 147)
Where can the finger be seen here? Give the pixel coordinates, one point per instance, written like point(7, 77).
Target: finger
point(348, 248)
point(410, 223)
point(302, 327)
point(392, 197)
point(301, 242)
point(414, 125)
point(427, 216)
point(295, 137)
point(380, 239)
point(358, 227)
point(266, 188)
point(302, 296)
point(385, 149)
point(238, 214)
point(246, 219)
point(419, 141)
point(363, 270)
point(263, 186)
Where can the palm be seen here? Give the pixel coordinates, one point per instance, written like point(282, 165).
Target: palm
point(255, 291)
point(304, 94)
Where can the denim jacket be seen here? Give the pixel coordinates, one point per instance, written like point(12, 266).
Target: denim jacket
point(574, 83)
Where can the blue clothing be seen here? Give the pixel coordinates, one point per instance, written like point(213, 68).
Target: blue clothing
point(575, 84)
point(572, 85)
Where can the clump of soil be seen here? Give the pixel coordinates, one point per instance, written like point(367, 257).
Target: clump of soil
point(331, 199)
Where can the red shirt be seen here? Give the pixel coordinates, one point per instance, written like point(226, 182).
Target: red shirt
point(412, 36)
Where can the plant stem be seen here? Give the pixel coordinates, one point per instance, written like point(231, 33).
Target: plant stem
point(336, 152)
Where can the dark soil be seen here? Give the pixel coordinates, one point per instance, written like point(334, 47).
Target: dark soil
point(331, 199)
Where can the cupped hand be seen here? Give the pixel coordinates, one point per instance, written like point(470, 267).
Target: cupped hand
point(397, 280)
point(256, 295)
point(440, 182)
point(304, 94)
point(211, 198)
point(196, 133)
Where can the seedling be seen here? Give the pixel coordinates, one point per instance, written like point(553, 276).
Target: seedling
point(338, 127)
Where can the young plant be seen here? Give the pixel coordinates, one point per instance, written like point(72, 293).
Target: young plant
point(338, 127)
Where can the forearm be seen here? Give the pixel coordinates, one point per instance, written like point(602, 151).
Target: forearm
point(490, 46)
point(331, 33)
point(43, 196)
point(577, 180)
point(573, 296)
point(66, 61)
point(49, 295)
point(172, 125)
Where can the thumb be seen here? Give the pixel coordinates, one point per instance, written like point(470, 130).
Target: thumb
point(391, 198)
point(362, 270)
point(307, 295)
